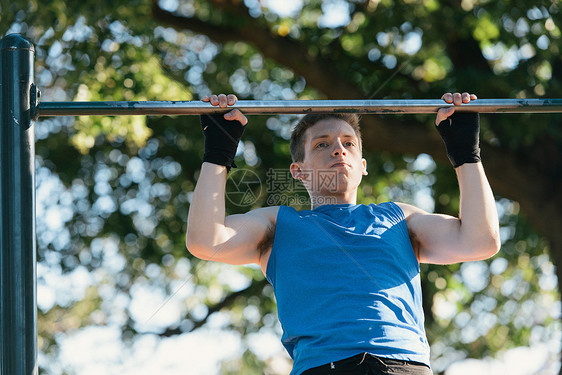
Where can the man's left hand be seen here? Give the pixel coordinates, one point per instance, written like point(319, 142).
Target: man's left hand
point(460, 131)
point(457, 99)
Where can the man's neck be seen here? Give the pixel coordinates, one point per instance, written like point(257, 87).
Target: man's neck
point(344, 198)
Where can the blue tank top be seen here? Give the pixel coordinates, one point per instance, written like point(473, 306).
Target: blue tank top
point(347, 281)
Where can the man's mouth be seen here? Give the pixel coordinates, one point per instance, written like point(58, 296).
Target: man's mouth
point(340, 164)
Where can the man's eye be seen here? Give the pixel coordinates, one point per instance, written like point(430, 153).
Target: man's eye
point(349, 144)
point(321, 144)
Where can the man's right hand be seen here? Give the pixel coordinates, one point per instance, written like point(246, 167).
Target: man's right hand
point(224, 101)
point(222, 132)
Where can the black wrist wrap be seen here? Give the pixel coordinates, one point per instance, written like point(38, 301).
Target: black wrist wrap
point(221, 139)
point(460, 132)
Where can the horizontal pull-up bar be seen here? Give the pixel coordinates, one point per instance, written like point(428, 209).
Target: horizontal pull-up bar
point(385, 106)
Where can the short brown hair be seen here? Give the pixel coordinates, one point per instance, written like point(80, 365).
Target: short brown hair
point(297, 136)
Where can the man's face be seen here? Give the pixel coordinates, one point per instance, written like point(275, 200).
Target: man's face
point(332, 158)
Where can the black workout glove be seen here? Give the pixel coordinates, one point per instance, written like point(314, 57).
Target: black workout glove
point(221, 139)
point(461, 132)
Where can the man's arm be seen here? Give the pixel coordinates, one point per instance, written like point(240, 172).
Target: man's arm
point(474, 235)
point(210, 235)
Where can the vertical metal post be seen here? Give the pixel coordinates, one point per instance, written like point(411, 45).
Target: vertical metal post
point(18, 277)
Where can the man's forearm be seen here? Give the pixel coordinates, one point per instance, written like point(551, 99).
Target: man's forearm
point(205, 221)
point(478, 213)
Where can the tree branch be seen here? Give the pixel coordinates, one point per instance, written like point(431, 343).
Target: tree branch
point(283, 50)
point(227, 301)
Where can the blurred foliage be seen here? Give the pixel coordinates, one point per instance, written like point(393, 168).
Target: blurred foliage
point(113, 192)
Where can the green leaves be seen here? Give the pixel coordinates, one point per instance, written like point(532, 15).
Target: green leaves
point(485, 29)
point(135, 79)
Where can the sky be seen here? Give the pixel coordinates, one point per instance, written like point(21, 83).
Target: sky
point(98, 350)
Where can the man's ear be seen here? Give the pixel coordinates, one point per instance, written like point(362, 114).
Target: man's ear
point(364, 167)
point(296, 171)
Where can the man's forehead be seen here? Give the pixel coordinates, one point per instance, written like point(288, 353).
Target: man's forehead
point(329, 128)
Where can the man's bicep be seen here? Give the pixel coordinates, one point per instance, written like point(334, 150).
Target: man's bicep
point(438, 239)
point(435, 237)
point(243, 234)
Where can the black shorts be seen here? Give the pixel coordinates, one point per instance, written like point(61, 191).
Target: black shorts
point(367, 364)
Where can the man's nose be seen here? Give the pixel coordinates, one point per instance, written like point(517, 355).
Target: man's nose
point(339, 149)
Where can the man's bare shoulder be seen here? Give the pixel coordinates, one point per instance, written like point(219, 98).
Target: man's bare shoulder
point(268, 213)
point(409, 210)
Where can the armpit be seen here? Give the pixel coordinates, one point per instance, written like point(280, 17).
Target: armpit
point(267, 241)
point(415, 244)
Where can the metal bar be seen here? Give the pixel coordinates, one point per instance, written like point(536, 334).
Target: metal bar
point(296, 107)
point(18, 264)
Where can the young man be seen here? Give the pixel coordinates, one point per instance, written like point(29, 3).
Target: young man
point(346, 276)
